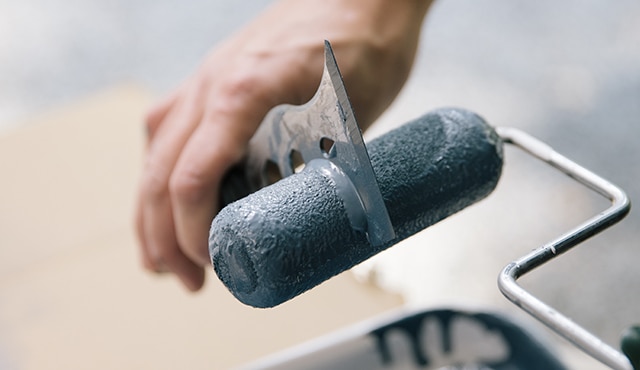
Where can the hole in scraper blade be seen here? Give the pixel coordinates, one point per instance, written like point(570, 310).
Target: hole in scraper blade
point(327, 147)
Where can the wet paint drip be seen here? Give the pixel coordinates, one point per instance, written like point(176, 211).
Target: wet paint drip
point(522, 350)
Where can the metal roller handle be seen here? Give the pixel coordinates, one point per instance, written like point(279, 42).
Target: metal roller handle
point(620, 206)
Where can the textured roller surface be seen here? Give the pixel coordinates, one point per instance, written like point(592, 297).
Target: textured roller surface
point(289, 237)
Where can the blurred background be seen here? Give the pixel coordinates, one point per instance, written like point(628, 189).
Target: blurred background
point(567, 72)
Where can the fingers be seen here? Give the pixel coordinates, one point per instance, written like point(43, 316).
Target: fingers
point(145, 257)
point(157, 114)
point(194, 185)
point(164, 249)
point(186, 164)
point(189, 152)
point(155, 225)
point(153, 119)
point(187, 158)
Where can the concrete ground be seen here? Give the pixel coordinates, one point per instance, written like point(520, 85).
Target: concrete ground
point(568, 72)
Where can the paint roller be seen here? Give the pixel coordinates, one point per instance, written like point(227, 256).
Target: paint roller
point(290, 236)
point(277, 239)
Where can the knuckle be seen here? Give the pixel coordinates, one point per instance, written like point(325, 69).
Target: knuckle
point(239, 90)
point(154, 187)
point(187, 186)
point(240, 83)
point(154, 184)
point(241, 101)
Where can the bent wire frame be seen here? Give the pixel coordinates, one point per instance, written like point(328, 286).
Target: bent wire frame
point(507, 280)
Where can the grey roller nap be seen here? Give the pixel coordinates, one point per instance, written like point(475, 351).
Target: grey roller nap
point(289, 237)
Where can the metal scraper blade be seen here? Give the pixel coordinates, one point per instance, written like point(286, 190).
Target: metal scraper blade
point(324, 128)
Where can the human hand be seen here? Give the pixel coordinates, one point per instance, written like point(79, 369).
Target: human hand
point(203, 128)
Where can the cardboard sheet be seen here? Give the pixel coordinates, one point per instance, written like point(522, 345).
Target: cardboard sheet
point(72, 293)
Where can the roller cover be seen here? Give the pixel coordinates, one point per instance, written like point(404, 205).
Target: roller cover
point(289, 237)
